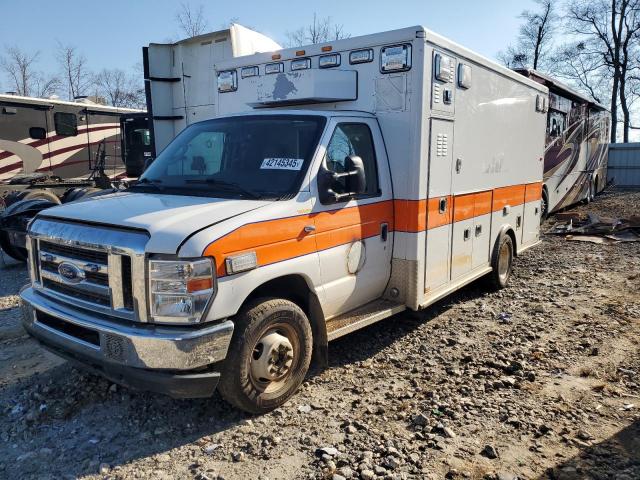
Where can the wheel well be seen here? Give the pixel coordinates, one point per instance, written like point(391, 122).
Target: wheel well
point(296, 289)
point(510, 232)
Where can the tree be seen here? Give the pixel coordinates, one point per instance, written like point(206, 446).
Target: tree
point(191, 22)
point(319, 31)
point(120, 88)
point(534, 39)
point(610, 31)
point(20, 68)
point(74, 70)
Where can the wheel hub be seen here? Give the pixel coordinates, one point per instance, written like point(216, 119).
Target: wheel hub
point(272, 357)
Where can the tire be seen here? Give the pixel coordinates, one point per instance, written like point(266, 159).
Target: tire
point(502, 262)
point(260, 327)
point(544, 206)
point(78, 193)
point(40, 195)
point(17, 253)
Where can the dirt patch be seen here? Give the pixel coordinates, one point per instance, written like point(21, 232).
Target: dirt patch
point(539, 380)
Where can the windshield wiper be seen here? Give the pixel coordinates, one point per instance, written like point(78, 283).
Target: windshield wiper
point(151, 182)
point(224, 183)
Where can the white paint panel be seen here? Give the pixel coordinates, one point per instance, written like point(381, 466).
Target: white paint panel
point(437, 261)
point(481, 234)
point(461, 248)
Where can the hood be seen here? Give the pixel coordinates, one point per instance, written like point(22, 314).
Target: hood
point(169, 219)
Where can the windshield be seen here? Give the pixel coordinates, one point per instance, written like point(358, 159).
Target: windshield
point(258, 156)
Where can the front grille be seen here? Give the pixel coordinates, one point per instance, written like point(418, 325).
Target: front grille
point(100, 269)
point(74, 252)
point(127, 283)
point(75, 293)
point(92, 284)
point(85, 334)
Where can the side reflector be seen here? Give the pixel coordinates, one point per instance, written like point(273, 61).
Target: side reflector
point(241, 262)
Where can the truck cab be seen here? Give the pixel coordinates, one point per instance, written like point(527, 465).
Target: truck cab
point(318, 201)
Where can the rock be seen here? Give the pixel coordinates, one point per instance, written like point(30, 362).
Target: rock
point(330, 451)
point(367, 474)
point(420, 419)
point(448, 432)
point(104, 468)
point(304, 408)
point(506, 476)
point(346, 472)
point(489, 451)
point(337, 477)
point(209, 448)
point(237, 456)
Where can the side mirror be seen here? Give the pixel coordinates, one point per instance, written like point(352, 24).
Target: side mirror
point(355, 181)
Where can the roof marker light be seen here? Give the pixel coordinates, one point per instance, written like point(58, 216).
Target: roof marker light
point(300, 53)
point(327, 48)
point(276, 56)
point(300, 64)
point(328, 61)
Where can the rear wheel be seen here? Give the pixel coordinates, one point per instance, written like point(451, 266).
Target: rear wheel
point(502, 262)
point(17, 253)
point(544, 206)
point(40, 195)
point(268, 357)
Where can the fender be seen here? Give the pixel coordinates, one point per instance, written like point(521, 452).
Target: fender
point(24, 207)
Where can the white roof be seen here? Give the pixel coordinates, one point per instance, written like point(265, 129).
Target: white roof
point(51, 102)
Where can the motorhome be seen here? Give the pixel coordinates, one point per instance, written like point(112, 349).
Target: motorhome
point(338, 184)
point(179, 77)
point(577, 145)
point(53, 138)
point(53, 151)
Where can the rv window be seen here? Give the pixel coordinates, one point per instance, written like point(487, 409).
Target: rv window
point(37, 133)
point(66, 124)
point(556, 125)
point(352, 139)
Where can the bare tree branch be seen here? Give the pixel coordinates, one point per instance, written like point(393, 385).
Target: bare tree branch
point(74, 70)
point(191, 22)
point(321, 30)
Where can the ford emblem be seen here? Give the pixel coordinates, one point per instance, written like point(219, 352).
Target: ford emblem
point(70, 273)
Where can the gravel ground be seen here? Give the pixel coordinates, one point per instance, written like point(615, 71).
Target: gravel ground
point(540, 380)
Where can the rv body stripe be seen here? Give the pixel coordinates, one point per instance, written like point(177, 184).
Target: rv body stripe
point(59, 153)
point(285, 238)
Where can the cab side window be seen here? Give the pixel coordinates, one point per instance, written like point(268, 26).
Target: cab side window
point(66, 124)
point(352, 139)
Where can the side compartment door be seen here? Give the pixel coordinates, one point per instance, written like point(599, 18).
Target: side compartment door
point(462, 236)
point(531, 222)
point(354, 236)
point(439, 205)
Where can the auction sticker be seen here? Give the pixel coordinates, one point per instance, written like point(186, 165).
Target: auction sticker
point(282, 164)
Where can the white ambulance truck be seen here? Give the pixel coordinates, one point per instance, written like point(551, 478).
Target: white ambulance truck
point(340, 184)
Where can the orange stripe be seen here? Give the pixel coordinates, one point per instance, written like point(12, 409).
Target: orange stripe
point(410, 215)
point(436, 218)
point(463, 207)
point(482, 204)
point(504, 196)
point(533, 192)
point(285, 238)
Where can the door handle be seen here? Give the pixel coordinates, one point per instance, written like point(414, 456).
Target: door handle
point(384, 231)
point(466, 235)
point(310, 228)
point(458, 165)
point(442, 207)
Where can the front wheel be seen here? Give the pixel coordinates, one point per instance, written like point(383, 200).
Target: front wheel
point(268, 357)
point(502, 262)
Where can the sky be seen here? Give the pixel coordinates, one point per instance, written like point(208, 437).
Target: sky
point(111, 34)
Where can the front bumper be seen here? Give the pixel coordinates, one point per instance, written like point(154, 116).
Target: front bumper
point(177, 361)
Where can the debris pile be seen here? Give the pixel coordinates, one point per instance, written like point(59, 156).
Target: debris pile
point(596, 229)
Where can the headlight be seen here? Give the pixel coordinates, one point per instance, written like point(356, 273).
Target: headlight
point(180, 290)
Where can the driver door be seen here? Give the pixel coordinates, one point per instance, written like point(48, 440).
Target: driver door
point(354, 235)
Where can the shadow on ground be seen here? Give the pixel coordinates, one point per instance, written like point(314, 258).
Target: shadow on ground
point(616, 458)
